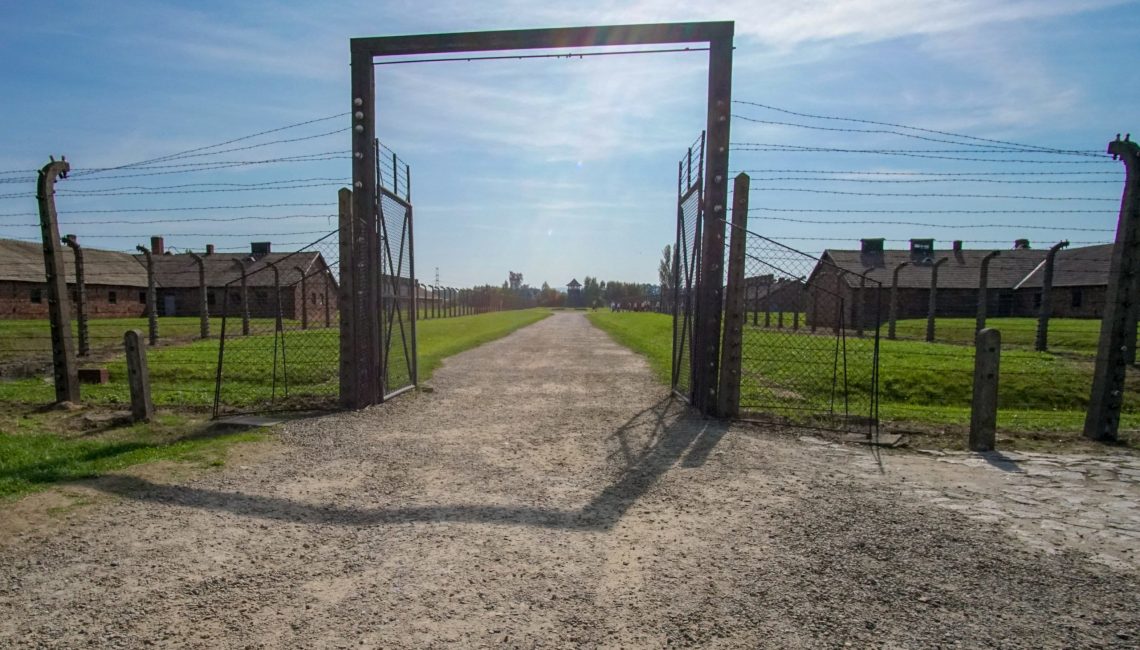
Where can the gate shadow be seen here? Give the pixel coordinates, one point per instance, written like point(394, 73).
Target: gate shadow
point(651, 442)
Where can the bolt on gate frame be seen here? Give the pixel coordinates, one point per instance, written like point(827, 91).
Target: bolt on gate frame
point(364, 363)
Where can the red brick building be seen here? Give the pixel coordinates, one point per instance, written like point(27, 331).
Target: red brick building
point(1014, 282)
point(115, 282)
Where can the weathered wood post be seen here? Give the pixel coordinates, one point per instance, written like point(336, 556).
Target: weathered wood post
point(244, 296)
point(203, 302)
point(1041, 343)
point(151, 296)
point(894, 307)
point(932, 309)
point(304, 300)
point(728, 395)
point(80, 295)
point(983, 411)
point(1102, 420)
point(983, 287)
point(138, 376)
point(64, 369)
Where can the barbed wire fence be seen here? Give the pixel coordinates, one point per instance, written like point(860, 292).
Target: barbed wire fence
point(1058, 194)
point(176, 197)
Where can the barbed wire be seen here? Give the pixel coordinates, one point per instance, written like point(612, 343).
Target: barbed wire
point(960, 136)
point(185, 153)
point(932, 195)
point(935, 225)
point(934, 180)
point(913, 173)
point(926, 211)
point(912, 153)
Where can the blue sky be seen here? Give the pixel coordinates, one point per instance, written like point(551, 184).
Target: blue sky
point(565, 168)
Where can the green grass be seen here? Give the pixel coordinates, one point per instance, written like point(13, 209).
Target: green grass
point(928, 384)
point(184, 375)
point(38, 450)
point(1075, 335)
point(31, 339)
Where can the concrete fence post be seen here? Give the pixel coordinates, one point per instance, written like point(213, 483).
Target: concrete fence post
point(894, 306)
point(983, 285)
point(244, 297)
point(983, 411)
point(80, 295)
point(932, 309)
point(304, 300)
point(138, 376)
point(327, 280)
point(151, 296)
point(64, 369)
point(1041, 343)
point(203, 298)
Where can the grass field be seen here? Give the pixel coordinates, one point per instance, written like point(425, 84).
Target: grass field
point(1075, 335)
point(184, 375)
point(928, 384)
point(41, 448)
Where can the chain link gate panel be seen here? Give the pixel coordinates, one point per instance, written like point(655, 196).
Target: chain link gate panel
point(397, 295)
point(687, 264)
point(810, 341)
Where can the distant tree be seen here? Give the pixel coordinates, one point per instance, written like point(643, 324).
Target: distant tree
point(665, 273)
point(591, 290)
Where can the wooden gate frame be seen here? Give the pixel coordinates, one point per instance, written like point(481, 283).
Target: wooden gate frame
point(360, 371)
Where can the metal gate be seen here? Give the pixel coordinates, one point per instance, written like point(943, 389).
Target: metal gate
point(687, 264)
point(397, 294)
point(809, 341)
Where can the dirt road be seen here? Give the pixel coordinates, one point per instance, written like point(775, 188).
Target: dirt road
point(547, 494)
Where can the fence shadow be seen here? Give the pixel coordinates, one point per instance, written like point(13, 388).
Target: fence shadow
point(667, 430)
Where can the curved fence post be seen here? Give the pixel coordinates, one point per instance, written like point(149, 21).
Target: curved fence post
point(151, 296)
point(983, 288)
point(894, 307)
point(304, 300)
point(80, 295)
point(203, 301)
point(932, 308)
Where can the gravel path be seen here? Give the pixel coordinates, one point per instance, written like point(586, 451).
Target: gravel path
point(546, 494)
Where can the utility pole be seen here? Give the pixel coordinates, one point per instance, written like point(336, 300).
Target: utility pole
point(80, 295)
point(64, 368)
point(1042, 342)
point(1103, 418)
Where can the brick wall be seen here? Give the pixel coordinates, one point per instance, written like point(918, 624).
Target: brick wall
point(103, 301)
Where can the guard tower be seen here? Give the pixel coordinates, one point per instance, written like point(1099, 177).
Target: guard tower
point(574, 297)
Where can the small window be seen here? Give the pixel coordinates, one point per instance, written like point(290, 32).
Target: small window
point(1078, 298)
point(210, 298)
point(113, 297)
point(37, 296)
point(142, 297)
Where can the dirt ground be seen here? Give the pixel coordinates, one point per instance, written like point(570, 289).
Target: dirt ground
point(548, 494)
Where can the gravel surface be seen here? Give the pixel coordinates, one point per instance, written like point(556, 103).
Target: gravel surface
point(547, 494)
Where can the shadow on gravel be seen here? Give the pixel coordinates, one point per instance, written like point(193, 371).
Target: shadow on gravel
point(651, 442)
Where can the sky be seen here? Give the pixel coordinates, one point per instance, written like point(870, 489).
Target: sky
point(561, 168)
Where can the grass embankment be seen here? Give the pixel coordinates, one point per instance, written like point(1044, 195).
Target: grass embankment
point(927, 384)
point(39, 449)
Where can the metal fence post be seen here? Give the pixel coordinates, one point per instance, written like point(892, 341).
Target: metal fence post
point(983, 411)
point(244, 297)
point(64, 367)
point(80, 295)
point(304, 301)
point(1041, 343)
point(138, 376)
point(1103, 417)
point(983, 288)
point(894, 315)
point(151, 296)
point(203, 301)
point(932, 309)
point(326, 279)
